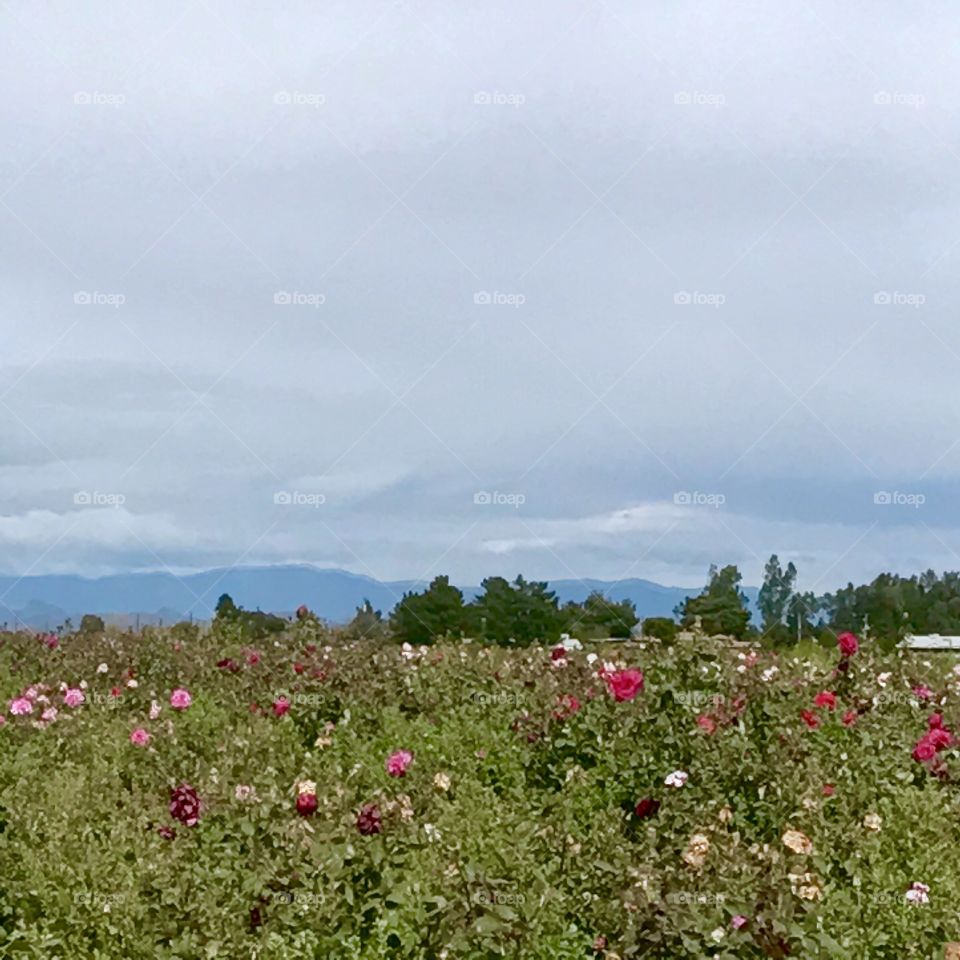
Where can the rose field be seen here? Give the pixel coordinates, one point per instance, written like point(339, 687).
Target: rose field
point(181, 793)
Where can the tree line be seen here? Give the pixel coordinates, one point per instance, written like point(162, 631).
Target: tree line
point(521, 611)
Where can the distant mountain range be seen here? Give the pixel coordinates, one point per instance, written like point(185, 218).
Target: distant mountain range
point(45, 602)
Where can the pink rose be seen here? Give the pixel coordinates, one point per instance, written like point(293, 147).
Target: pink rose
point(848, 644)
point(398, 762)
point(624, 684)
point(280, 706)
point(180, 699)
point(21, 706)
point(924, 750)
point(139, 737)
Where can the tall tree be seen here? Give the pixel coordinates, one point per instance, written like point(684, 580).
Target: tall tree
point(517, 613)
point(776, 591)
point(422, 617)
point(721, 607)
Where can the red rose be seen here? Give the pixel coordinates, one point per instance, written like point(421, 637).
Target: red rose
point(939, 737)
point(924, 750)
point(558, 653)
point(829, 789)
point(825, 698)
point(306, 804)
point(185, 805)
point(567, 706)
point(280, 706)
point(298, 668)
point(848, 644)
point(646, 808)
point(934, 721)
point(810, 719)
point(850, 718)
point(625, 684)
point(368, 820)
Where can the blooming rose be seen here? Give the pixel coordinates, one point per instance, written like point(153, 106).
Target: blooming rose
point(73, 697)
point(567, 706)
point(676, 779)
point(646, 808)
point(368, 820)
point(918, 893)
point(185, 805)
point(558, 653)
point(829, 789)
point(706, 723)
point(280, 706)
point(848, 644)
point(924, 750)
point(441, 782)
point(306, 804)
point(21, 706)
point(797, 842)
point(244, 792)
point(154, 710)
point(139, 737)
point(49, 715)
point(850, 718)
point(168, 833)
point(810, 719)
point(826, 698)
point(180, 699)
point(625, 684)
point(873, 822)
point(697, 849)
point(398, 762)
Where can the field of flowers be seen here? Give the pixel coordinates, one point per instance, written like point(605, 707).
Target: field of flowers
point(178, 794)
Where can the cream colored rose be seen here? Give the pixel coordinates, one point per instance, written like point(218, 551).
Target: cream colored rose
point(873, 822)
point(798, 842)
point(697, 849)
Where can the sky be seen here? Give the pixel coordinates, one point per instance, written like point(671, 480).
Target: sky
point(573, 289)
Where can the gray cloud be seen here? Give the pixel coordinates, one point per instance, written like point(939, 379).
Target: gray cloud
point(399, 253)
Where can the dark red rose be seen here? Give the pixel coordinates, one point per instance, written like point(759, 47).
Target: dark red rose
point(298, 668)
point(168, 833)
point(368, 820)
point(303, 611)
point(810, 719)
point(227, 663)
point(935, 721)
point(646, 808)
point(185, 805)
point(558, 653)
point(307, 804)
point(924, 750)
point(826, 698)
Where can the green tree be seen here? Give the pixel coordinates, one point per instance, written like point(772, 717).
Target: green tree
point(599, 617)
point(721, 607)
point(366, 624)
point(663, 628)
point(91, 623)
point(776, 592)
point(518, 613)
point(422, 617)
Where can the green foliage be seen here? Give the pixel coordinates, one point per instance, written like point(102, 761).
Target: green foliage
point(91, 623)
point(776, 592)
point(421, 618)
point(663, 628)
point(517, 613)
point(722, 606)
point(599, 617)
point(513, 832)
point(251, 624)
point(367, 624)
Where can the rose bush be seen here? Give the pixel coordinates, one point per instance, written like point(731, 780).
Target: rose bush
point(457, 801)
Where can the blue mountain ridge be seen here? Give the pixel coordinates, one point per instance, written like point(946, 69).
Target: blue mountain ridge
point(46, 601)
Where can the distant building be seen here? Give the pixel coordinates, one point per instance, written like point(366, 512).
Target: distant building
point(930, 641)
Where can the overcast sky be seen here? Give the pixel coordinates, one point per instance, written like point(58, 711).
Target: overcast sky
point(671, 283)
